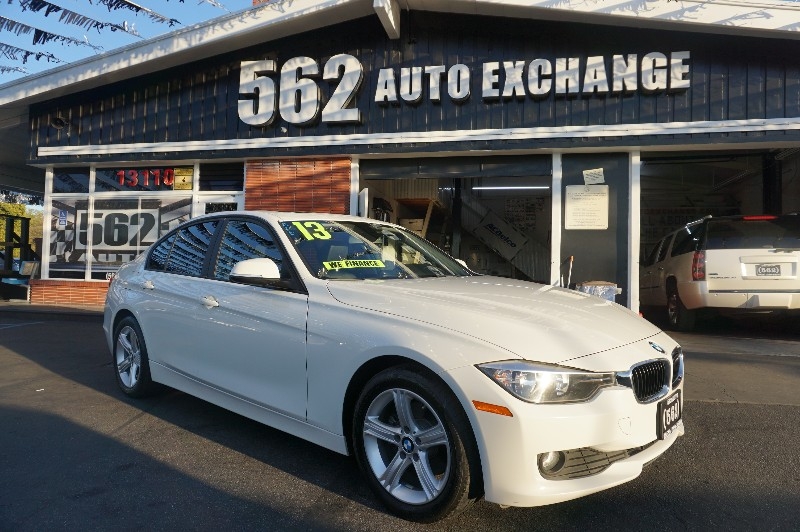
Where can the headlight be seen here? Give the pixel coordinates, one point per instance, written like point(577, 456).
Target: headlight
point(541, 384)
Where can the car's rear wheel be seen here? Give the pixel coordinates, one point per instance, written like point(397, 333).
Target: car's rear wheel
point(680, 318)
point(131, 365)
point(413, 443)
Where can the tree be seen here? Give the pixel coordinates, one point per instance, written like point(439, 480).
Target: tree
point(16, 209)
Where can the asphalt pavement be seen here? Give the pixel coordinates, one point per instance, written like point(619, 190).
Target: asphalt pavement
point(76, 454)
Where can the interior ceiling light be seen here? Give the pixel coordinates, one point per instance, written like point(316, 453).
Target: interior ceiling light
point(513, 188)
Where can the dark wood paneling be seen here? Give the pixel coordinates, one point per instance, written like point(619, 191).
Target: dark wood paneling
point(733, 78)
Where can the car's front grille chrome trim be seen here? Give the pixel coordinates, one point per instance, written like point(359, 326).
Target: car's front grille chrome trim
point(677, 367)
point(649, 380)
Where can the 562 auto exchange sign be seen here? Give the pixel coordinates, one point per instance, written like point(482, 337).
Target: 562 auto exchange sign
point(292, 91)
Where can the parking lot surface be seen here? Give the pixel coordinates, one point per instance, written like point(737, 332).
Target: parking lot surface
point(76, 454)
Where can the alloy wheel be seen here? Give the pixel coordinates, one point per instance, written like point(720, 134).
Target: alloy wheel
point(407, 446)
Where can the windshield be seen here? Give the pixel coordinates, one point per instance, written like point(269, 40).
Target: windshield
point(367, 250)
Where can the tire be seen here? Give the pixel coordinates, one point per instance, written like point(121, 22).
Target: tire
point(680, 318)
point(129, 356)
point(413, 443)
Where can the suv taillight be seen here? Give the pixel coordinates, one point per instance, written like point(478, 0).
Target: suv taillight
point(699, 266)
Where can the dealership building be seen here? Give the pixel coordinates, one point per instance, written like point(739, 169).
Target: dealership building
point(533, 140)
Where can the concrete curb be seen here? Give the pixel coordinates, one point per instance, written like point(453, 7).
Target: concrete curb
point(20, 309)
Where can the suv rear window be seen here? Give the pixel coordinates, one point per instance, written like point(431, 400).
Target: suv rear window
point(781, 232)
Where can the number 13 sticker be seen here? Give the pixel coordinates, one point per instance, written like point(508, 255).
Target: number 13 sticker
point(312, 230)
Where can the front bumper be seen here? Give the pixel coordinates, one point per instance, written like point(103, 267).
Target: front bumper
point(510, 446)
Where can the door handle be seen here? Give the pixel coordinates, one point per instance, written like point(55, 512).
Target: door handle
point(148, 285)
point(210, 302)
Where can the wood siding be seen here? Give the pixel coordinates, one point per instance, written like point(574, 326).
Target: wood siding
point(732, 78)
point(298, 185)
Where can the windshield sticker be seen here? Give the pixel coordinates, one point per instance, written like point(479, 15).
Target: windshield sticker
point(344, 264)
point(312, 230)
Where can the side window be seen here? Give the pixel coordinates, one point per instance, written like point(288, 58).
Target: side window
point(189, 249)
point(662, 253)
point(651, 258)
point(244, 240)
point(687, 241)
point(159, 255)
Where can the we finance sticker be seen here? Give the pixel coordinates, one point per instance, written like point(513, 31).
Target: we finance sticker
point(346, 264)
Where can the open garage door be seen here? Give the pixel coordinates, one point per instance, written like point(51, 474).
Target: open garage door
point(679, 188)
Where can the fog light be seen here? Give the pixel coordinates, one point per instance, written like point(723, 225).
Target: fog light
point(552, 462)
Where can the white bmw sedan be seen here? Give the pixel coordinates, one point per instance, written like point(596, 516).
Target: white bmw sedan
point(363, 338)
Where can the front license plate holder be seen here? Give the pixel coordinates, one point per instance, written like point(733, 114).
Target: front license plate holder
point(670, 411)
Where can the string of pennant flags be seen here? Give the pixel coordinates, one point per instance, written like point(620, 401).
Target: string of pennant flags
point(69, 17)
point(76, 19)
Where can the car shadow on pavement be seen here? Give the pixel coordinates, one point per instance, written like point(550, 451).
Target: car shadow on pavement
point(59, 475)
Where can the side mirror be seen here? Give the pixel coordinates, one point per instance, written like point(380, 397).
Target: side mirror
point(259, 272)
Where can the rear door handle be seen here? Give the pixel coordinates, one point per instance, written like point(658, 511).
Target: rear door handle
point(210, 301)
point(148, 285)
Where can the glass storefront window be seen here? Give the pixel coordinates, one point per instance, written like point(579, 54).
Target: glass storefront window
point(66, 262)
point(97, 225)
point(118, 230)
point(70, 180)
point(155, 178)
point(222, 176)
point(123, 228)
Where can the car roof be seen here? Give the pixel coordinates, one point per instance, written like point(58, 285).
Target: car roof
point(281, 216)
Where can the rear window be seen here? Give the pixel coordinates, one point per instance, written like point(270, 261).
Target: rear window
point(782, 232)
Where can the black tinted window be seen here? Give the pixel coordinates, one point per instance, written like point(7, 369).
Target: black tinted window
point(245, 240)
point(662, 253)
point(651, 258)
point(783, 232)
point(189, 249)
point(158, 257)
point(688, 240)
point(225, 176)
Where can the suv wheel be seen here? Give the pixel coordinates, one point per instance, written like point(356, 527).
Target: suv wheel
point(680, 318)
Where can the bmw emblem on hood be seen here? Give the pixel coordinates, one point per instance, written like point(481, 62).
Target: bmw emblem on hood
point(657, 347)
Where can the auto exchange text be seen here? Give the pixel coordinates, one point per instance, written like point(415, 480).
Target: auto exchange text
point(293, 91)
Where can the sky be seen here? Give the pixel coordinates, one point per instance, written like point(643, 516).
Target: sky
point(187, 13)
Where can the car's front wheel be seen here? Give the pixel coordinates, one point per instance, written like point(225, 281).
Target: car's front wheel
point(413, 443)
point(130, 360)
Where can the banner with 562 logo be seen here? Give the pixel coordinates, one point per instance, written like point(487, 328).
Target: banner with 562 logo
point(117, 230)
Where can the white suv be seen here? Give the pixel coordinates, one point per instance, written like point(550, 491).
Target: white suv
point(730, 264)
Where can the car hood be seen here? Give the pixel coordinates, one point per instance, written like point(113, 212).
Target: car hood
point(535, 322)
